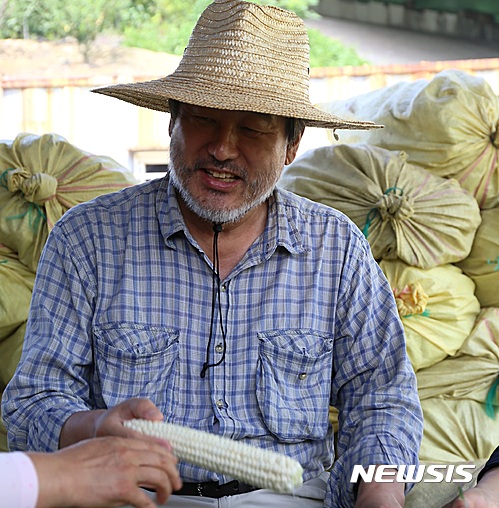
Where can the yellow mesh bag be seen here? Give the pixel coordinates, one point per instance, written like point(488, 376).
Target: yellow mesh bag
point(482, 264)
point(16, 286)
point(437, 306)
point(448, 125)
point(10, 354)
point(426, 494)
point(41, 177)
point(4, 447)
point(404, 211)
point(457, 430)
point(472, 371)
point(459, 398)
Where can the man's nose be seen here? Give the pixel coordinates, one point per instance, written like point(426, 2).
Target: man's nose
point(224, 145)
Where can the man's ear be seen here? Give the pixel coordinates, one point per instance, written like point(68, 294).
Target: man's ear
point(292, 148)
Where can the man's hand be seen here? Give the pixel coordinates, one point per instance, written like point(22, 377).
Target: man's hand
point(106, 472)
point(381, 495)
point(108, 422)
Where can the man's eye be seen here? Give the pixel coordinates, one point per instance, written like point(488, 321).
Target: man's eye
point(251, 130)
point(203, 119)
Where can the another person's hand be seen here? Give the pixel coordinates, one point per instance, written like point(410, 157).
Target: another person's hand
point(106, 472)
point(484, 495)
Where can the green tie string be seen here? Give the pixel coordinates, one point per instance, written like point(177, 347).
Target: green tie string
point(374, 212)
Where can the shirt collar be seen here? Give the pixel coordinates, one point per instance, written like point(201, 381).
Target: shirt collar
point(171, 221)
point(281, 229)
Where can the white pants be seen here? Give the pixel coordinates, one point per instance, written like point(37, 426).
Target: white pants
point(310, 495)
point(256, 499)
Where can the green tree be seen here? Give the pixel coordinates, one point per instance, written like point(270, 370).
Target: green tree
point(328, 52)
point(83, 20)
point(158, 25)
point(169, 29)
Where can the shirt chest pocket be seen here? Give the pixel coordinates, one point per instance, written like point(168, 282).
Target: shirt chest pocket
point(135, 361)
point(294, 383)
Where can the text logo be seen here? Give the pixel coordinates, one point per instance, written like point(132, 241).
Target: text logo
point(435, 473)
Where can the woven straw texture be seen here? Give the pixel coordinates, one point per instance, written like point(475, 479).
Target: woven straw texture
point(241, 56)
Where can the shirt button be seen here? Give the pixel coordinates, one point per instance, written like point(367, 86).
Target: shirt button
point(220, 403)
point(224, 287)
point(303, 375)
point(219, 348)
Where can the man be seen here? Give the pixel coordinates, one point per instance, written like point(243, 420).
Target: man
point(218, 302)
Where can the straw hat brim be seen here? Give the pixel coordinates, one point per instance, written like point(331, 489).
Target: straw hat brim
point(156, 93)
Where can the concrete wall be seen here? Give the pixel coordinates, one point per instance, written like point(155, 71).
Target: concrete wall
point(460, 24)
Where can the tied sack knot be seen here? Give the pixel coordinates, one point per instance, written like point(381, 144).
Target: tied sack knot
point(37, 188)
point(411, 300)
point(395, 207)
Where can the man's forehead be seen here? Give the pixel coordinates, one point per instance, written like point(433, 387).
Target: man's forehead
point(192, 108)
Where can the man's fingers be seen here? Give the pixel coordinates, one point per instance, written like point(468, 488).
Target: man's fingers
point(144, 408)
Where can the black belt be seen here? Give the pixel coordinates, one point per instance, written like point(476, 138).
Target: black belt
point(214, 489)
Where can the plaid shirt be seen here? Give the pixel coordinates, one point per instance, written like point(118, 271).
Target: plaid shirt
point(122, 305)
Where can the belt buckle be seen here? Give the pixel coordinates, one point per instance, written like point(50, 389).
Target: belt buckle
point(199, 488)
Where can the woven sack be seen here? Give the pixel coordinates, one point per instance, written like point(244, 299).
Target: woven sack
point(482, 264)
point(457, 430)
point(404, 211)
point(16, 287)
point(472, 372)
point(431, 494)
point(437, 306)
point(4, 447)
point(10, 354)
point(448, 125)
point(41, 177)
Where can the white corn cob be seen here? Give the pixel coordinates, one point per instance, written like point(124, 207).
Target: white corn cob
point(258, 467)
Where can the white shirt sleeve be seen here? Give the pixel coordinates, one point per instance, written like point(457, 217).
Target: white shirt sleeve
point(18, 480)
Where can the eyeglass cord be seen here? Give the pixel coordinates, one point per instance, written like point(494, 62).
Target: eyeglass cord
point(215, 295)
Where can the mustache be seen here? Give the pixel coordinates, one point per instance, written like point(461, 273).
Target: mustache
point(229, 166)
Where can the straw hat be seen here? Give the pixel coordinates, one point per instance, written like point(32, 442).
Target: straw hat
point(241, 56)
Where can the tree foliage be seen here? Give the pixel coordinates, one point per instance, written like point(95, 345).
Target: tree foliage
point(158, 25)
point(83, 20)
point(170, 27)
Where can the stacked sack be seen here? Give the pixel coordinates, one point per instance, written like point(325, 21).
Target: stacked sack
point(41, 177)
point(482, 264)
point(448, 125)
point(425, 192)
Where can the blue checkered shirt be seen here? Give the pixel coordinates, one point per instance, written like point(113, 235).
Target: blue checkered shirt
point(121, 308)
